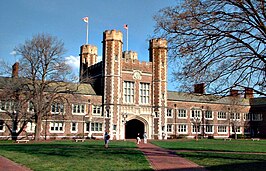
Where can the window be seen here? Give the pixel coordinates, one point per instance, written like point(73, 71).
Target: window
point(144, 93)
point(56, 127)
point(196, 128)
point(234, 115)
point(7, 105)
point(222, 129)
point(74, 126)
point(96, 126)
point(195, 113)
point(182, 128)
point(169, 112)
point(30, 127)
point(169, 128)
point(114, 127)
point(247, 116)
point(209, 128)
point(256, 117)
point(57, 108)
point(182, 113)
point(128, 92)
point(235, 129)
point(78, 108)
point(30, 106)
point(208, 114)
point(221, 115)
point(2, 124)
point(96, 110)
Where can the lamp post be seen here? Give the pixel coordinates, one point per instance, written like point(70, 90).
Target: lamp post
point(124, 121)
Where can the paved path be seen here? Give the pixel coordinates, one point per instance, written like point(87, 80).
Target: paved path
point(166, 160)
point(8, 165)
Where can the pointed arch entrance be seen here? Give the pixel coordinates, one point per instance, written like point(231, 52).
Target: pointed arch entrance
point(133, 127)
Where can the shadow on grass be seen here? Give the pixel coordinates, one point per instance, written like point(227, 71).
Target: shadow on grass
point(218, 161)
point(69, 149)
point(258, 166)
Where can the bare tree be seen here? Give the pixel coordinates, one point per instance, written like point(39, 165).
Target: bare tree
point(219, 42)
point(13, 103)
point(46, 75)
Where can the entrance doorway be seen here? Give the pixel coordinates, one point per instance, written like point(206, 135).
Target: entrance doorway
point(133, 127)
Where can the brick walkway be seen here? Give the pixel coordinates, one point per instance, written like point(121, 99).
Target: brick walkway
point(8, 165)
point(165, 160)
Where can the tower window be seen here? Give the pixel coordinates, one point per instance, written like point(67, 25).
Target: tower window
point(144, 93)
point(128, 92)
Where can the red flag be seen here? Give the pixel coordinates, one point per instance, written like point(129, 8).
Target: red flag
point(125, 26)
point(85, 19)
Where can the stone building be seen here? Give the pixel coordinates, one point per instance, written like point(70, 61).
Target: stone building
point(128, 96)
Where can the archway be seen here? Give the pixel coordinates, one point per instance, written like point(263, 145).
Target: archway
point(133, 127)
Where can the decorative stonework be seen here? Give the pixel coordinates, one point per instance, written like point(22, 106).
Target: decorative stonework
point(137, 75)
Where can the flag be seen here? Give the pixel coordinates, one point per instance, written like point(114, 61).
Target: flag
point(85, 19)
point(125, 26)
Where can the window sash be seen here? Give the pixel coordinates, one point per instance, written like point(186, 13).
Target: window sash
point(144, 93)
point(129, 92)
point(182, 113)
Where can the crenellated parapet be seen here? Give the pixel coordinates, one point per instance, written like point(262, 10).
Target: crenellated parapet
point(158, 43)
point(131, 65)
point(113, 35)
point(130, 55)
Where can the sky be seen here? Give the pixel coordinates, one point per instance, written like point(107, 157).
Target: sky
point(22, 19)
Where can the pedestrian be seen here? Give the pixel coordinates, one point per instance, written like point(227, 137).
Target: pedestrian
point(106, 139)
point(145, 138)
point(138, 138)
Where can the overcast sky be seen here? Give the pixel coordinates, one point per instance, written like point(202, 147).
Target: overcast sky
point(21, 19)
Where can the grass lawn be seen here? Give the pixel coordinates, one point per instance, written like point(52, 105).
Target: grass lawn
point(68, 155)
point(237, 155)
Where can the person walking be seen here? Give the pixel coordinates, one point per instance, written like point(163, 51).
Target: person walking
point(106, 139)
point(138, 138)
point(145, 138)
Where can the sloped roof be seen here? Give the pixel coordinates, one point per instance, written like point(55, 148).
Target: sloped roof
point(205, 98)
point(63, 87)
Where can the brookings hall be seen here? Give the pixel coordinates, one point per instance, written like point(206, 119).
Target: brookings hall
point(128, 96)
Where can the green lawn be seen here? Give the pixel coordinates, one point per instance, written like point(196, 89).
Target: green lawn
point(123, 155)
point(237, 155)
point(68, 155)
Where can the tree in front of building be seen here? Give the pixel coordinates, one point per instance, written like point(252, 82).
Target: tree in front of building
point(45, 74)
point(13, 106)
point(219, 42)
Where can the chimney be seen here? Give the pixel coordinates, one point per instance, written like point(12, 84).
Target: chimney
point(248, 93)
point(15, 70)
point(199, 88)
point(234, 93)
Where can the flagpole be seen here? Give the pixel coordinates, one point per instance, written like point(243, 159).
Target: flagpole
point(87, 32)
point(127, 38)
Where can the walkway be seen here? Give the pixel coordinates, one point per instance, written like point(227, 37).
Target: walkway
point(159, 158)
point(165, 160)
point(8, 165)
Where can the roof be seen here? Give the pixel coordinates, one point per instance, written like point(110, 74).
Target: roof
point(205, 98)
point(63, 87)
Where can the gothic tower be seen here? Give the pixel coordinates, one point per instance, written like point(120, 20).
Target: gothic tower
point(112, 55)
point(158, 57)
point(88, 57)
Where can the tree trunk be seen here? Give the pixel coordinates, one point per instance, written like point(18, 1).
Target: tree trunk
point(14, 135)
point(38, 128)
